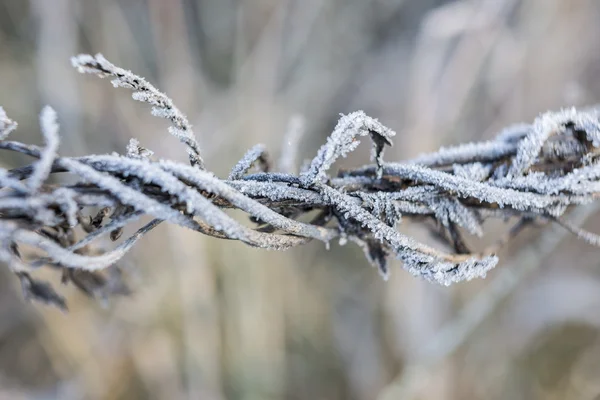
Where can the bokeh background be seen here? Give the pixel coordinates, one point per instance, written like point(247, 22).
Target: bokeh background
point(211, 319)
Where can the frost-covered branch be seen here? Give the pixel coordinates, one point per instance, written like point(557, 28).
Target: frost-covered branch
point(528, 172)
point(143, 91)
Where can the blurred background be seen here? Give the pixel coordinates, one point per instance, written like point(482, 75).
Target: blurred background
point(211, 319)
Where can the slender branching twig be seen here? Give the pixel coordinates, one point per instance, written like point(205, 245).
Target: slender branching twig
point(528, 172)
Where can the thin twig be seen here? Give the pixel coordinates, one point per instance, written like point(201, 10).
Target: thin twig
point(534, 171)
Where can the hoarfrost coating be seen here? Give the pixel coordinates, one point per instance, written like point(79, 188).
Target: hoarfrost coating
point(528, 172)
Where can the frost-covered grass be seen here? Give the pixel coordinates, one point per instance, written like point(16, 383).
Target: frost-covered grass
point(529, 171)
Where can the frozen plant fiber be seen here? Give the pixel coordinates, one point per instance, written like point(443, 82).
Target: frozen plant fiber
point(528, 172)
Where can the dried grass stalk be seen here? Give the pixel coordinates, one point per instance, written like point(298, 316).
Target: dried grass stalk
point(529, 171)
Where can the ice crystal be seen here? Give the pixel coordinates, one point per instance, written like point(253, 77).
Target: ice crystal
point(528, 171)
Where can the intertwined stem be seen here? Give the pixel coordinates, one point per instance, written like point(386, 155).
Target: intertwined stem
point(529, 172)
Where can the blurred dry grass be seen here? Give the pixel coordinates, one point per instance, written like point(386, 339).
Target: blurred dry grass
point(216, 320)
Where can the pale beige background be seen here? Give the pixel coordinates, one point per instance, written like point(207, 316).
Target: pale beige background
point(218, 320)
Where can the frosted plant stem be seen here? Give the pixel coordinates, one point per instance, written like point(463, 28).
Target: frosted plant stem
point(530, 171)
